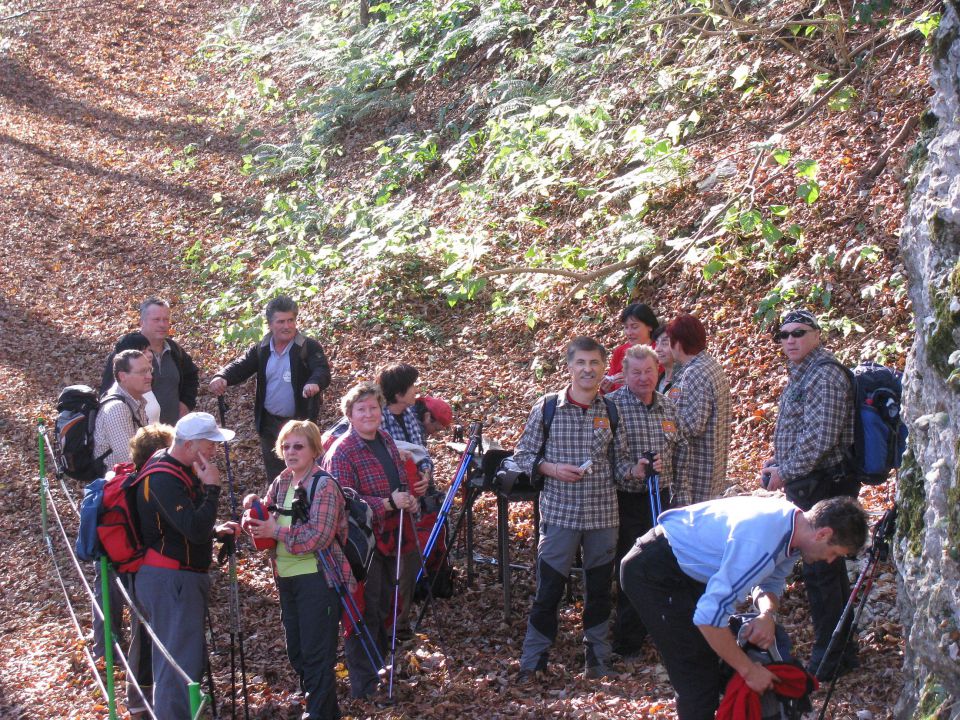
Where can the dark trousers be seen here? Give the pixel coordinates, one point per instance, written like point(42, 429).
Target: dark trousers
point(828, 588)
point(666, 597)
point(310, 613)
point(827, 584)
point(270, 426)
point(377, 594)
point(636, 518)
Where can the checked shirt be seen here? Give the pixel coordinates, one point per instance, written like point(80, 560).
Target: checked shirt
point(408, 430)
point(815, 420)
point(351, 462)
point(578, 435)
point(326, 524)
point(116, 423)
point(652, 428)
point(702, 397)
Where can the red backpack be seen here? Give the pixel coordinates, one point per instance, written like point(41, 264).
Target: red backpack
point(119, 524)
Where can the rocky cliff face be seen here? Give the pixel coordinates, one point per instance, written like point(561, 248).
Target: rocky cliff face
point(928, 538)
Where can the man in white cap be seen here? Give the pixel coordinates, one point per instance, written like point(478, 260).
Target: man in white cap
point(177, 501)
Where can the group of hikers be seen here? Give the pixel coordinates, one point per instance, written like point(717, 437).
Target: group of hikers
point(631, 459)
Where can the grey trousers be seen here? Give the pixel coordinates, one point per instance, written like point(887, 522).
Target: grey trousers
point(555, 555)
point(174, 603)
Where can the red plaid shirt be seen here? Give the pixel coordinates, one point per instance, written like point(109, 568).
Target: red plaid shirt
point(354, 465)
point(326, 525)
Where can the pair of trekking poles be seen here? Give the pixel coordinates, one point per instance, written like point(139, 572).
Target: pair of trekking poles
point(355, 617)
point(879, 552)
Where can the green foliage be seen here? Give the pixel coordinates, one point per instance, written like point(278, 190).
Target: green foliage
point(493, 137)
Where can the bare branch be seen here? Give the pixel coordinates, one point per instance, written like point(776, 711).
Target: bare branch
point(881, 162)
point(528, 270)
point(20, 14)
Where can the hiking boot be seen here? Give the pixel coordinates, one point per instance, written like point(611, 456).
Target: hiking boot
point(528, 674)
point(628, 650)
point(597, 672)
point(846, 665)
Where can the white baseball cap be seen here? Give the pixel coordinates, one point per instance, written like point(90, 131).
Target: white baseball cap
point(201, 426)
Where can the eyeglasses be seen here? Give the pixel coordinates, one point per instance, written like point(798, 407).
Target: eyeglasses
point(784, 334)
point(296, 447)
point(148, 371)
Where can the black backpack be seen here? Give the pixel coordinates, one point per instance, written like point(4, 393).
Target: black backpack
point(879, 433)
point(361, 541)
point(549, 411)
point(77, 407)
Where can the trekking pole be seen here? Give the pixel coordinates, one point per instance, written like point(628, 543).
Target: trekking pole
point(107, 635)
point(879, 552)
point(213, 696)
point(465, 460)
point(351, 611)
point(653, 488)
point(396, 605)
point(236, 632)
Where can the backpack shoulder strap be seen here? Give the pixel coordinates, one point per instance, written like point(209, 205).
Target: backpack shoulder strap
point(116, 397)
point(167, 467)
point(613, 414)
point(833, 361)
point(317, 477)
point(548, 413)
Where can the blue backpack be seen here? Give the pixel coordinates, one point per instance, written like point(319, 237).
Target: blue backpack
point(88, 546)
point(879, 433)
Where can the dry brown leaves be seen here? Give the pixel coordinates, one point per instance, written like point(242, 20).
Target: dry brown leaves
point(95, 102)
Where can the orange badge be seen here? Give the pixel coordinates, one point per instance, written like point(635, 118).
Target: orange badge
point(668, 426)
point(601, 422)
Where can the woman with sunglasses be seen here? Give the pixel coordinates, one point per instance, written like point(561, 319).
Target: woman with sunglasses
point(309, 607)
point(366, 459)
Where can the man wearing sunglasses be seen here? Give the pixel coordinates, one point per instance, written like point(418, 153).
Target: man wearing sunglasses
point(814, 429)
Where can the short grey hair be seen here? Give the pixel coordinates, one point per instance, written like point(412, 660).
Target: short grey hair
point(281, 303)
point(640, 352)
point(150, 302)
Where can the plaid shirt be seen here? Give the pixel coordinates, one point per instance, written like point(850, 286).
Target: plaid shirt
point(326, 525)
point(115, 425)
point(702, 397)
point(408, 430)
point(652, 428)
point(578, 435)
point(351, 462)
point(815, 420)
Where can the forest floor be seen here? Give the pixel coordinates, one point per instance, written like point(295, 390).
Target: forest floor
point(97, 102)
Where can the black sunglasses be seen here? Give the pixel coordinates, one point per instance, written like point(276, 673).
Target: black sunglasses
point(784, 334)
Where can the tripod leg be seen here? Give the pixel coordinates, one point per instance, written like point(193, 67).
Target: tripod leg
point(471, 498)
point(430, 597)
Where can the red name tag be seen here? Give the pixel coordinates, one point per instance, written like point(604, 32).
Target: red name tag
point(668, 426)
point(601, 422)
